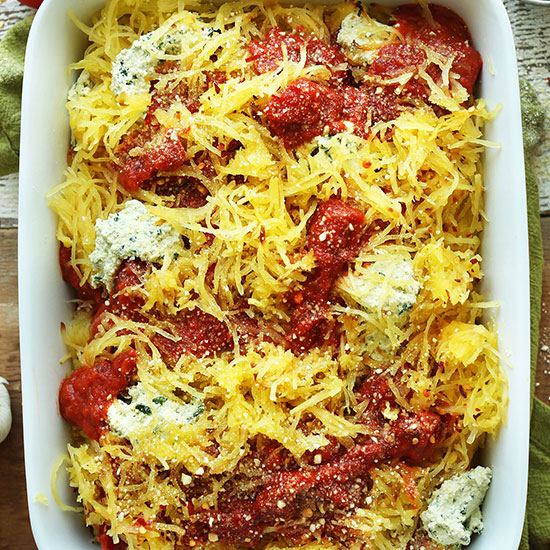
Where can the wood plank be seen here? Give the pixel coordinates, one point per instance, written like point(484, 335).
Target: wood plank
point(15, 532)
point(11, 11)
point(9, 187)
point(531, 26)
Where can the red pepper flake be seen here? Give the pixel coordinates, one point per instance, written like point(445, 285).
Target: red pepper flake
point(142, 522)
point(474, 261)
point(367, 164)
point(448, 294)
point(478, 410)
point(426, 393)
point(548, 80)
point(462, 391)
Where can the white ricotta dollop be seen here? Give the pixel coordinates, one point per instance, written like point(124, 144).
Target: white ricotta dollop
point(361, 37)
point(454, 513)
point(343, 143)
point(385, 285)
point(127, 235)
point(81, 87)
point(143, 417)
point(135, 67)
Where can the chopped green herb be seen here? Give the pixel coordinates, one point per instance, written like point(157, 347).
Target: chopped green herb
point(144, 409)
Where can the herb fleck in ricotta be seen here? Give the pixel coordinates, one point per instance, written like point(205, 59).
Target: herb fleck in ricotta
point(129, 234)
point(144, 417)
point(454, 512)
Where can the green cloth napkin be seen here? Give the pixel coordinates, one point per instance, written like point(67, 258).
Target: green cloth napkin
point(12, 57)
point(536, 533)
point(536, 530)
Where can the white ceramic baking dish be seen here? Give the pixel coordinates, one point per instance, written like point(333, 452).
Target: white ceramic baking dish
point(53, 44)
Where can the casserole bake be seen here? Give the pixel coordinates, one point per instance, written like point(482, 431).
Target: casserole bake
point(492, 461)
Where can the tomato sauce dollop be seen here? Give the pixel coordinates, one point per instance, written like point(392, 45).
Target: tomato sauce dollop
point(447, 34)
point(86, 394)
point(397, 59)
point(124, 301)
point(267, 54)
point(106, 542)
point(334, 234)
point(151, 148)
point(302, 110)
point(334, 237)
point(180, 191)
point(69, 274)
point(146, 153)
point(197, 333)
point(305, 109)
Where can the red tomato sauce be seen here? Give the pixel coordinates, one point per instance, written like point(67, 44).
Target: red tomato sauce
point(69, 274)
point(106, 541)
point(86, 394)
point(124, 300)
point(302, 111)
point(289, 489)
point(147, 152)
point(334, 234)
point(151, 149)
point(368, 105)
point(447, 34)
point(395, 60)
point(197, 332)
point(252, 331)
point(334, 237)
point(214, 79)
point(267, 54)
point(180, 191)
point(305, 109)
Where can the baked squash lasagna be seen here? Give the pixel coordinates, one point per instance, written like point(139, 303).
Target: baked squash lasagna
point(271, 220)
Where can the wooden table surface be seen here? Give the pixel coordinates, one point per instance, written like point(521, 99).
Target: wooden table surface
point(532, 33)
